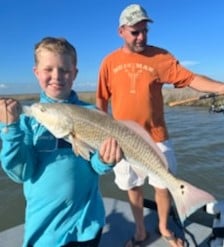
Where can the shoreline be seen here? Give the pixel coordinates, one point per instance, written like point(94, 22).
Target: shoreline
point(169, 95)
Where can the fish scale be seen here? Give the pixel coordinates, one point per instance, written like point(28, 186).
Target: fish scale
point(130, 142)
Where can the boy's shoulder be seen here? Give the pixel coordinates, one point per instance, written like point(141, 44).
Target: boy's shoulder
point(85, 104)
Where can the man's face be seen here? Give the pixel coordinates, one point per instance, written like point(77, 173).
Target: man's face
point(135, 37)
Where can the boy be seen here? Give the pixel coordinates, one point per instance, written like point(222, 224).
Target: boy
point(64, 206)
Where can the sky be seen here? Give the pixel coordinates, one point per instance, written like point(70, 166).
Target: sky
point(192, 30)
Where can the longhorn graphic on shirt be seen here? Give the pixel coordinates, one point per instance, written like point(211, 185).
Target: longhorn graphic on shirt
point(133, 74)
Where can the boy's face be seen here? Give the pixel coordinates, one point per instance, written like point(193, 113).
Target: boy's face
point(55, 73)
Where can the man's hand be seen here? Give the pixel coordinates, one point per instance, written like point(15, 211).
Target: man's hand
point(110, 152)
point(10, 110)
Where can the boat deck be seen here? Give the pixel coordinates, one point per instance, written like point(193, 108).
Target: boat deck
point(120, 227)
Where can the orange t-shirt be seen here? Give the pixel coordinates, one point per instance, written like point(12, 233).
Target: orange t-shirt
point(134, 83)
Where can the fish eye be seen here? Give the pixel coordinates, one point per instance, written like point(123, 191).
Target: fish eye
point(42, 109)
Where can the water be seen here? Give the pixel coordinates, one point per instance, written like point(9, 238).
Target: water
point(197, 136)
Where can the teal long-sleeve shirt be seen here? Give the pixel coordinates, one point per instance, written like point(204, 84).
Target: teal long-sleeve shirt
point(63, 199)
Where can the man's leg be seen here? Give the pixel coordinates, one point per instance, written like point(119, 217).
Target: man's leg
point(163, 201)
point(127, 180)
point(135, 196)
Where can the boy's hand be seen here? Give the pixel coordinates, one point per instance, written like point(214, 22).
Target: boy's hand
point(10, 109)
point(110, 152)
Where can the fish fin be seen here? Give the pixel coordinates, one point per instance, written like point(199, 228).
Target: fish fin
point(188, 199)
point(135, 166)
point(81, 148)
point(145, 135)
point(141, 172)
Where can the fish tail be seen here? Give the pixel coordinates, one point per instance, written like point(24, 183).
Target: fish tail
point(189, 198)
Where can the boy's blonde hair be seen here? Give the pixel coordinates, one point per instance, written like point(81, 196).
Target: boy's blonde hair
point(58, 45)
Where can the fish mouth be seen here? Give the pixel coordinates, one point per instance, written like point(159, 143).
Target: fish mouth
point(27, 110)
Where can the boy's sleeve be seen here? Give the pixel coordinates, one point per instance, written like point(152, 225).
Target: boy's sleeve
point(16, 155)
point(99, 166)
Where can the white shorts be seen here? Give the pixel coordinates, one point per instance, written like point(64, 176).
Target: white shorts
point(127, 178)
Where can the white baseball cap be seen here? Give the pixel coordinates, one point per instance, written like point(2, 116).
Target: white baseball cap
point(133, 14)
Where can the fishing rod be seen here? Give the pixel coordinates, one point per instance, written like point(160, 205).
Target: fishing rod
point(214, 107)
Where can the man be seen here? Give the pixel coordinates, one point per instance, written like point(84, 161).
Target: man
point(132, 77)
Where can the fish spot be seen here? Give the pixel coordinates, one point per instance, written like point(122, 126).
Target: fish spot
point(182, 187)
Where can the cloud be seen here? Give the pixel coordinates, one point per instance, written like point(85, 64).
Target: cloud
point(189, 63)
point(2, 85)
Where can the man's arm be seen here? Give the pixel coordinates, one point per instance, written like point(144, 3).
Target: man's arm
point(102, 104)
point(206, 84)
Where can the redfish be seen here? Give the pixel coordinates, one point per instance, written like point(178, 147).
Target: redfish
point(87, 128)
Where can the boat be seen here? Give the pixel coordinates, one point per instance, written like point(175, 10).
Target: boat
point(204, 228)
